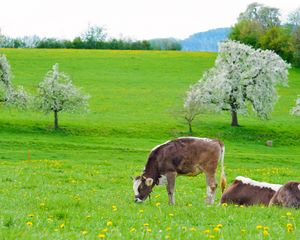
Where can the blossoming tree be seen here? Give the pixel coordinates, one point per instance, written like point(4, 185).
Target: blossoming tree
point(241, 76)
point(56, 93)
point(8, 94)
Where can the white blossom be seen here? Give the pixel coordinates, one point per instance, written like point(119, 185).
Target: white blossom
point(241, 75)
point(296, 110)
point(11, 96)
point(5, 72)
point(17, 98)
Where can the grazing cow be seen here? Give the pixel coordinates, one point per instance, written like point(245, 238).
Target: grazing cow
point(183, 156)
point(287, 196)
point(245, 191)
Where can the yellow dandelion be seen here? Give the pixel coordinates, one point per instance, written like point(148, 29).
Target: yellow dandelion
point(157, 204)
point(84, 232)
point(242, 206)
point(216, 229)
point(193, 229)
point(211, 236)
point(258, 227)
point(168, 228)
point(219, 225)
point(42, 205)
point(146, 224)
point(62, 225)
point(207, 231)
point(104, 230)
point(289, 225)
point(157, 196)
point(114, 207)
point(132, 230)
point(224, 204)
point(265, 233)
point(167, 236)
point(149, 230)
point(29, 223)
point(109, 223)
point(101, 235)
point(190, 205)
point(141, 211)
point(289, 214)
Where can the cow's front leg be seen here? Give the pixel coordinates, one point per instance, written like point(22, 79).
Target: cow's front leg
point(171, 186)
point(211, 186)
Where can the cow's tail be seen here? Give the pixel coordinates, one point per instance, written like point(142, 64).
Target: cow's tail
point(223, 178)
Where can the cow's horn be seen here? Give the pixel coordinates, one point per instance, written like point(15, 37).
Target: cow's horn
point(149, 182)
point(299, 186)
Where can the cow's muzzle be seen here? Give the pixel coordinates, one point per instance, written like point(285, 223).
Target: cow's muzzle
point(137, 200)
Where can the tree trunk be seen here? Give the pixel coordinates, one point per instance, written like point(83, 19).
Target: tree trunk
point(234, 118)
point(190, 128)
point(55, 119)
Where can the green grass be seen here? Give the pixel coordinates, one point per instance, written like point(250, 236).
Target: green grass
point(78, 178)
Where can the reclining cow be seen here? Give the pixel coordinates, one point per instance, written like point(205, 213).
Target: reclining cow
point(245, 191)
point(287, 196)
point(183, 156)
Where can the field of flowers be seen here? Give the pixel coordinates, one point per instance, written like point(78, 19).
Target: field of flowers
point(75, 183)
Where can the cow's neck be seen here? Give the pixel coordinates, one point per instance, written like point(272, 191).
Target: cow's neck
point(151, 170)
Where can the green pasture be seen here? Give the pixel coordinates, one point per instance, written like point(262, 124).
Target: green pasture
point(77, 183)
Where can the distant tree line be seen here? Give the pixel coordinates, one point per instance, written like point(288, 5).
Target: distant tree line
point(260, 27)
point(94, 37)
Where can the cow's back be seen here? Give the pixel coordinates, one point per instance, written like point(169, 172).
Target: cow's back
point(246, 194)
point(188, 156)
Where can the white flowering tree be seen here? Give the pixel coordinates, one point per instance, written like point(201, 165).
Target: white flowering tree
point(8, 94)
point(56, 93)
point(241, 76)
point(296, 110)
point(5, 76)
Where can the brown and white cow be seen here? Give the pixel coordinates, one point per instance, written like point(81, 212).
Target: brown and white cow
point(187, 156)
point(287, 196)
point(245, 191)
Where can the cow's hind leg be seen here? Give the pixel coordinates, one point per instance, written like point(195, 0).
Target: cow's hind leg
point(171, 186)
point(211, 186)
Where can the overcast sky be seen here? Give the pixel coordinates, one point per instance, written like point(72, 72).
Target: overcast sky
point(137, 19)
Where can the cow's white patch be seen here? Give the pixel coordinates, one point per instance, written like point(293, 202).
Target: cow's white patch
point(136, 184)
point(209, 195)
point(299, 186)
point(162, 180)
point(197, 138)
point(138, 200)
point(249, 181)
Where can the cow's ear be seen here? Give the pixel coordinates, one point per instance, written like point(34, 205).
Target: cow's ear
point(149, 182)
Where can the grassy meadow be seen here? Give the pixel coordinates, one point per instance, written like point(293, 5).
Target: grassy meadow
point(77, 183)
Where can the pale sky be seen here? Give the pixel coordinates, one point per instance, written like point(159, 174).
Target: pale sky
point(137, 19)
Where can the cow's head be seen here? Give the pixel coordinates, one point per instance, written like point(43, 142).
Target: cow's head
point(142, 188)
